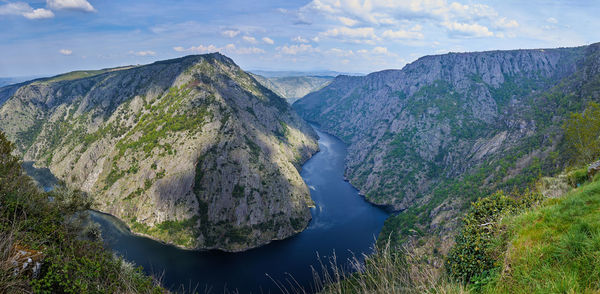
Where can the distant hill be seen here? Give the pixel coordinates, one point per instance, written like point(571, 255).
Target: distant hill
point(293, 88)
point(7, 81)
point(15, 80)
point(321, 73)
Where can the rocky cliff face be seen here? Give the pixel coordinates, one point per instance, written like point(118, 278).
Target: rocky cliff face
point(294, 87)
point(447, 129)
point(191, 151)
point(437, 117)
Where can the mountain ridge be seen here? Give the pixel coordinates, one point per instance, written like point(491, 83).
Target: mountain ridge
point(191, 151)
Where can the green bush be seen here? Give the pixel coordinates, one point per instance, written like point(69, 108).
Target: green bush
point(581, 134)
point(577, 177)
point(476, 250)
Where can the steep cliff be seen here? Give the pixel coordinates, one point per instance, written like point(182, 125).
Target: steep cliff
point(446, 129)
point(191, 151)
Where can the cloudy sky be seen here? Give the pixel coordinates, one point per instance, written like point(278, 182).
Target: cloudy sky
point(54, 36)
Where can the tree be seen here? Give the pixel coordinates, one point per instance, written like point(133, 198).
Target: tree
point(582, 134)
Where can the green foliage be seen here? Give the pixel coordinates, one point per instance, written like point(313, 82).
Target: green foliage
point(577, 177)
point(75, 75)
point(79, 272)
point(51, 224)
point(440, 94)
point(239, 235)
point(514, 87)
point(165, 117)
point(254, 149)
point(283, 132)
point(238, 191)
point(182, 232)
point(475, 252)
point(297, 223)
point(581, 134)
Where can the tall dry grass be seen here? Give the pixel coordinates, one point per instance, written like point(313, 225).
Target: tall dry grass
point(386, 271)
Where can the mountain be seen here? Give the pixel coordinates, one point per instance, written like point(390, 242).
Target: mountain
point(293, 88)
point(190, 151)
point(317, 73)
point(446, 129)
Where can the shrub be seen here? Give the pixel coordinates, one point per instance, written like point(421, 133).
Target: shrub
point(577, 177)
point(476, 250)
point(581, 134)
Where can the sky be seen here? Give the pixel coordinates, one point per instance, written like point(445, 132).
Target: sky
point(47, 37)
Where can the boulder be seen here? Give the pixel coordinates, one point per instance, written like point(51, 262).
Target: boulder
point(593, 168)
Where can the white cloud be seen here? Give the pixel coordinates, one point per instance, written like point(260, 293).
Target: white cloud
point(468, 30)
point(268, 40)
point(295, 49)
point(402, 34)
point(79, 5)
point(249, 39)
point(39, 13)
point(380, 50)
point(414, 33)
point(197, 49)
point(23, 9)
point(504, 23)
point(340, 52)
point(65, 52)
point(229, 48)
point(347, 21)
point(143, 53)
point(391, 17)
point(299, 39)
point(364, 33)
point(552, 20)
point(230, 33)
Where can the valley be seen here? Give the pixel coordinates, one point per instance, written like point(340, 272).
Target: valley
point(299, 147)
point(343, 225)
point(193, 161)
point(433, 137)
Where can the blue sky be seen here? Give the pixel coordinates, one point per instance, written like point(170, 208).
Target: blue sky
point(55, 36)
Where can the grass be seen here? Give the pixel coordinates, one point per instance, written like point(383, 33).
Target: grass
point(554, 249)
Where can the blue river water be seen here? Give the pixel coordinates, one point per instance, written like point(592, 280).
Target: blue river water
point(343, 223)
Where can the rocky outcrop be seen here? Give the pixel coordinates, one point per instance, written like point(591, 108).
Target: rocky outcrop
point(593, 169)
point(191, 151)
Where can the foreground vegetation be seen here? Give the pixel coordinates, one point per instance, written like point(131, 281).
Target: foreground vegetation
point(540, 239)
point(515, 243)
point(50, 229)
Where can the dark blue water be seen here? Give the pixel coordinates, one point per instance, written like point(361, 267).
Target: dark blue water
point(343, 223)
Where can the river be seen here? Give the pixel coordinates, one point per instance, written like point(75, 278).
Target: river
point(343, 223)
